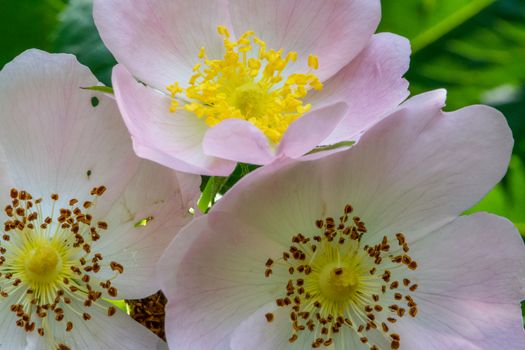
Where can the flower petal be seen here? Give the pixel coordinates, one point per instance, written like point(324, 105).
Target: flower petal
point(12, 337)
point(334, 30)
point(158, 40)
point(470, 284)
point(172, 139)
point(273, 200)
point(142, 222)
point(257, 333)
point(307, 132)
point(413, 172)
point(237, 140)
point(372, 85)
point(218, 282)
point(54, 139)
point(119, 332)
point(420, 167)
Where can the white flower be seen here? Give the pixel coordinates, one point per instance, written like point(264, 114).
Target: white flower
point(73, 193)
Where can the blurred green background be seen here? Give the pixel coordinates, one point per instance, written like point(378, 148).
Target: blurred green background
point(473, 48)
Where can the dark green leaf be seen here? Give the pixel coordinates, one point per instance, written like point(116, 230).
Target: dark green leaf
point(78, 35)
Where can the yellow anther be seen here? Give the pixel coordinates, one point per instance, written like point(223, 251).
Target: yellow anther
point(202, 53)
point(252, 89)
point(223, 31)
point(313, 62)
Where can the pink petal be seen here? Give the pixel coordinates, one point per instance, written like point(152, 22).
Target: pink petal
point(53, 139)
point(495, 268)
point(237, 140)
point(172, 139)
point(372, 85)
point(420, 168)
point(470, 284)
point(335, 30)
point(307, 132)
point(217, 283)
point(277, 199)
point(158, 40)
point(154, 192)
point(414, 171)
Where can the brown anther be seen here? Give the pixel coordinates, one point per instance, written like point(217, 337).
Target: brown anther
point(111, 311)
point(115, 266)
point(112, 291)
point(293, 338)
point(100, 190)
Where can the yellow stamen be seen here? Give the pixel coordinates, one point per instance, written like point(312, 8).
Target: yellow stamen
point(248, 83)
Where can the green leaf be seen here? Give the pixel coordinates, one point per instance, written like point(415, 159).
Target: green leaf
point(78, 35)
point(121, 304)
point(101, 88)
point(26, 24)
point(424, 22)
point(208, 194)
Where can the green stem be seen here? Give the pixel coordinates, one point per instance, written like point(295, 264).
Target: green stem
point(441, 28)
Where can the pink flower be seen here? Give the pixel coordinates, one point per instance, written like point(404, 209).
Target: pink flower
point(215, 89)
point(363, 249)
point(75, 197)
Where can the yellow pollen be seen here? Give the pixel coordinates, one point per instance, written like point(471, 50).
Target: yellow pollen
point(50, 272)
point(42, 263)
point(338, 283)
point(248, 83)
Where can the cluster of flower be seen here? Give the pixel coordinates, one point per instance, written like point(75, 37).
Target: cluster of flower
point(349, 235)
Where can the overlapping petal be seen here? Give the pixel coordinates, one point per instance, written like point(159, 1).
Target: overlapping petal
point(158, 40)
point(171, 139)
point(334, 30)
point(158, 43)
point(414, 172)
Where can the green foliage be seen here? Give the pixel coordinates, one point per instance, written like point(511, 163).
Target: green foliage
point(476, 50)
point(78, 35)
point(25, 24)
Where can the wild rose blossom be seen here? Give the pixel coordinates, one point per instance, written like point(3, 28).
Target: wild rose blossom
point(363, 249)
point(73, 193)
point(247, 80)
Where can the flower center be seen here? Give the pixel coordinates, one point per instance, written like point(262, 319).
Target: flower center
point(336, 281)
point(248, 83)
point(49, 273)
point(42, 263)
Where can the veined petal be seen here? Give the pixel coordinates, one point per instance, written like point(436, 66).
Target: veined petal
point(172, 139)
point(157, 40)
point(142, 222)
point(210, 294)
point(372, 86)
point(238, 140)
point(307, 132)
point(334, 30)
point(469, 288)
point(420, 167)
point(62, 140)
point(100, 332)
